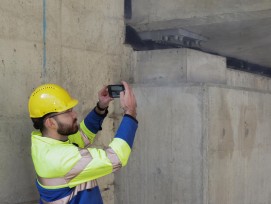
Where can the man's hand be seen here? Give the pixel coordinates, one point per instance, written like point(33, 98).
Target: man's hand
point(104, 98)
point(128, 100)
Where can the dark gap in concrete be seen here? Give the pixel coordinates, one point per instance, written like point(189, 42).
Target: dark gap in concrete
point(132, 38)
point(238, 64)
point(128, 9)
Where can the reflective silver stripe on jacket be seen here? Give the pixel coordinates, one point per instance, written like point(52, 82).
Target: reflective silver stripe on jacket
point(79, 167)
point(78, 188)
point(112, 156)
point(85, 138)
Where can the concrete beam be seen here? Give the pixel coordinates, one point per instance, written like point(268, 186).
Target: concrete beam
point(178, 65)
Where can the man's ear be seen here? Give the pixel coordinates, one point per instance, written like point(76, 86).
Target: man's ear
point(50, 123)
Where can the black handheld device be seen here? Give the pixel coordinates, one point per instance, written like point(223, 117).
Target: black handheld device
point(114, 90)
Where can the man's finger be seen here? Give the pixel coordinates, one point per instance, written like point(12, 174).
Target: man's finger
point(126, 86)
point(122, 98)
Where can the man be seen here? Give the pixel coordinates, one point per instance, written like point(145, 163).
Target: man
point(66, 166)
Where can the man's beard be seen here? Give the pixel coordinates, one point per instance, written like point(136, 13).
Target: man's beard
point(65, 129)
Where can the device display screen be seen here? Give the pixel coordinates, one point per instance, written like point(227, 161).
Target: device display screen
point(114, 90)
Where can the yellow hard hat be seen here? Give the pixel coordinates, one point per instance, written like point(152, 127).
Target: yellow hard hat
point(49, 98)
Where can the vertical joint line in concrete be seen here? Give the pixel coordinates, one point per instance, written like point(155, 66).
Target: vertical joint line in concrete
point(44, 40)
point(128, 9)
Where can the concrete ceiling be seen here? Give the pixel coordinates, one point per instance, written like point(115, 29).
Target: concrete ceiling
point(243, 32)
point(248, 40)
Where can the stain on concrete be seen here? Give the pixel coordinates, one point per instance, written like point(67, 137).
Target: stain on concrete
point(247, 129)
point(226, 140)
point(3, 68)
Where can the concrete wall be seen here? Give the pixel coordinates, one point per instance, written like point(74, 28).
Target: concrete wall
point(84, 51)
point(167, 160)
point(238, 146)
point(197, 143)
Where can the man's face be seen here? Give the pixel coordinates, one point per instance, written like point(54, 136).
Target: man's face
point(67, 123)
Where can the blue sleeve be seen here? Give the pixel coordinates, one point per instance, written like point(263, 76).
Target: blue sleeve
point(94, 121)
point(127, 129)
point(50, 195)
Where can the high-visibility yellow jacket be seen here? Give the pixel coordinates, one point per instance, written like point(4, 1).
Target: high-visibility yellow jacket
point(67, 171)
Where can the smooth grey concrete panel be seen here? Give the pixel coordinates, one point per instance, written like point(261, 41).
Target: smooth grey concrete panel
point(239, 146)
point(237, 78)
point(160, 66)
point(206, 68)
point(167, 160)
point(178, 65)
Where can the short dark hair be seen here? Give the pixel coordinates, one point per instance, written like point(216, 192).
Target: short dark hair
point(38, 123)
